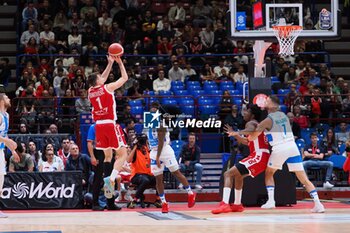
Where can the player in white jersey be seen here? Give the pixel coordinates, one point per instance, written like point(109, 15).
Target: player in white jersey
point(5, 103)
point(284, 149)
point(162, 155)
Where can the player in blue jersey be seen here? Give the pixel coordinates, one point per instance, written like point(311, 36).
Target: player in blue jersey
point(5, 103)
point(284, 149)
point(162, 155)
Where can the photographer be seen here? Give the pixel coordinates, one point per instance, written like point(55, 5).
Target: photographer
point(141, 175)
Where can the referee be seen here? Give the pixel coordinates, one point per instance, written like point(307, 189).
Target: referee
point(97, 158)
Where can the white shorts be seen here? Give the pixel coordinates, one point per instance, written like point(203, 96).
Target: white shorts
point(287, 152)
point(167, 159)
point(2, 162)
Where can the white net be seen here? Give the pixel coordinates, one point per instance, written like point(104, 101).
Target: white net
point(286, 36)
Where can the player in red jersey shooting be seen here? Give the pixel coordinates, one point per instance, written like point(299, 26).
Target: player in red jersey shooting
point(108, 132)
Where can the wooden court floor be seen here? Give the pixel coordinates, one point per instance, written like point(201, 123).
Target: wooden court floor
point(199, 219)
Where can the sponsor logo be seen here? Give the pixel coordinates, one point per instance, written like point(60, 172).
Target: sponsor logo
point(153, 120)
point(23, 190)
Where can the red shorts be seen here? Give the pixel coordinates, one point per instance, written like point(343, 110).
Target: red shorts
point(256, 163)
point(109, 135)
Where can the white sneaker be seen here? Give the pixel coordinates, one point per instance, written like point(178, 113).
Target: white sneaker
point(327, 185)
point(2, 215)
point(269, 205)
point(198, 186)
point(128, 197)
point(181, 186)
point(318, 208)
point(118, 199)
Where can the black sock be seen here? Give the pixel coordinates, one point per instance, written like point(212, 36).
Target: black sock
point(107, 169)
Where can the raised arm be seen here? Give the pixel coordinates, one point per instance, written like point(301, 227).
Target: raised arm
point(103, 77)
point(120, 82)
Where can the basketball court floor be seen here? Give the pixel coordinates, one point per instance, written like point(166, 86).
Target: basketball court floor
point(199, 219)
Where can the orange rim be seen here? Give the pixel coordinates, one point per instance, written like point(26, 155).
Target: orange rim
point(284, 31)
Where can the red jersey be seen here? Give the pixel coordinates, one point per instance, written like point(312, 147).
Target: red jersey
point(103, 104)
point(260, 143)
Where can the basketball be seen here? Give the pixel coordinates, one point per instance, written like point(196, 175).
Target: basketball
point(116, 49)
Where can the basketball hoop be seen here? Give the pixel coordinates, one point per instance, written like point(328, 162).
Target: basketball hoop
point(287, 36)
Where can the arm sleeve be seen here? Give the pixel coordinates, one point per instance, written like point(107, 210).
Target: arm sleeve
point(92, 133)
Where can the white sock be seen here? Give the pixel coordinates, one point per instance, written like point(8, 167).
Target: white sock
point(226, 195)
point(188, 189)
point(162, 198)
point(122, 186)
point(270, 193)
point(238, 196)
point(114, 175)
point(314, 196)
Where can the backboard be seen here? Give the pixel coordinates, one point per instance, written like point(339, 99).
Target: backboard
point(254, 19)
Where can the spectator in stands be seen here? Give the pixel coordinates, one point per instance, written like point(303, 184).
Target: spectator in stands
point(239, 76)
point(25, 164)
point(195, 46)
point(45, 21)
point(164, 48)
point(141, 174)
point(60, 22)
point(218, 69)
point(27, 108)
point(46, 9)
point(225, 104)
point(314, 156)
point(105, 20)
point(201, 14)
point(146, 80)
point(27, 35)
point(64, 87)
point(130, 132)
point(135, 91)
point(58, 80)
point(330, 143)
point(47, 35)
point(220, 34)
point(316, 102)
point(179, 47)
point(299, 118)
point(117, 8)
point(34, 153)
point(343, 135)
point(82, 104)
point(188, 71)
point(68, 105)
point(242, 59)
point(313, 79)
point(45, 110)
point(190, 158)
point(126, 114)
point(51, 164)
point(346, 165)
point(295, 127)
point(161, 83)
point(177, 14)
point(29, 13)
point(346, 105)
point(75, 38)
point(88, 7)
point(5, 71)
point(64, 152)
point(207, 73)
point(300, 68)
point(235, 119)
point(207, 38)
point(79, 162)
point(176, 73)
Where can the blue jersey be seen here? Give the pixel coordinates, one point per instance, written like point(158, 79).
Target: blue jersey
point(4, 127)
point(152, 135)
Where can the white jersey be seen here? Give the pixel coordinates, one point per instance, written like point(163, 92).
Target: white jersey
point(152, 135)
point(281, 131)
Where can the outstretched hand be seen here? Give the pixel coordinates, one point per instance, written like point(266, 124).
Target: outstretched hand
point(111, 58)
point(229, 130)
point(118, 60)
